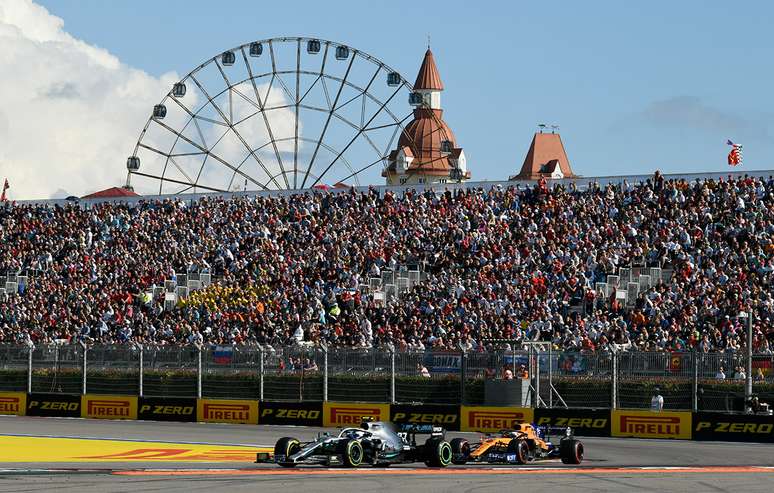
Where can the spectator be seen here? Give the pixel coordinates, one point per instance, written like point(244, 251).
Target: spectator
point(657, 401)
point(720, 375)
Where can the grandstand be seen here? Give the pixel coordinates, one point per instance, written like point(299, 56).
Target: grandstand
point(643, 263)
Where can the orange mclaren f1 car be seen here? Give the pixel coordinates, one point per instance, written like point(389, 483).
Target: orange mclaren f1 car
point(525, 443)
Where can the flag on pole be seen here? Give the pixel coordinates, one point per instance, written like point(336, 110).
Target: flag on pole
point(6, 186)
point(735, 156)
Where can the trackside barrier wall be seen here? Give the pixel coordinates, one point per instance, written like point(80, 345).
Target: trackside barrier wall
point(486, 419)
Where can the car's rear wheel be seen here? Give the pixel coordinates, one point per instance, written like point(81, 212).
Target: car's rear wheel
point(285, 447)
point(571, 451)
point(438, 452)
point(520, 448)
point(460, 450)
point(353, 453)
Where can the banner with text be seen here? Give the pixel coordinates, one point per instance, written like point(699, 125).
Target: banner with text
point(14, 403)
point(167, 409)
point(490, 419)
point(584, 422)
point(647, 424)
point(54, 405)
point(733, 427)
point(227, 411)
point(291, 413)
point(351, 413)
point(109, 406)
point(445, 415)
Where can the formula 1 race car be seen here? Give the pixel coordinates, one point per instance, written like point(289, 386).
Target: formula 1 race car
point(526, 443)
point(377, 443)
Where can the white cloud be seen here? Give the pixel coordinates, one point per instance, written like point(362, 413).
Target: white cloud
point(70, 112)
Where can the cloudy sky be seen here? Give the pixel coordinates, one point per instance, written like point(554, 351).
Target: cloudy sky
point(634, 86)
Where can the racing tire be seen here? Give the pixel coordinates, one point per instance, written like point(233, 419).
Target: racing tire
point(438, 452)
point(287, 446)
point(520, 448)
point(352, 453)
point(571, 451)
point(460, 451)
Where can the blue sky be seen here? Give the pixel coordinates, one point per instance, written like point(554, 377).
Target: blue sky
point(634, 86)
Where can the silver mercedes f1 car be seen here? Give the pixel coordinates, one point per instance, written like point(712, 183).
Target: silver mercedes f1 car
point(377, 443)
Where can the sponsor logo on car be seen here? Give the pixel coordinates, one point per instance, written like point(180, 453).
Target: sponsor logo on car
point(427, 418)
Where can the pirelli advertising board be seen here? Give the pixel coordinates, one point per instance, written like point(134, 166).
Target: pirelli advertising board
point(733, 427)
point(584, 422)
point(109, 406)
point(291, 413)
point(227, 411)
point(14, 403)
point(167, 409)
point(447, 416)
point(489, 419)
point(647, 424)
point(350, 413)
point(54, 405)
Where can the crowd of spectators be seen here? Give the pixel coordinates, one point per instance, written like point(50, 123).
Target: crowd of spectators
point(501, 263)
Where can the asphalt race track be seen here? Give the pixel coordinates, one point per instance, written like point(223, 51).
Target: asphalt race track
point(69, 455)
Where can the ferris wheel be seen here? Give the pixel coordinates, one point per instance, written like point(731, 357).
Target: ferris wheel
point(281, 113)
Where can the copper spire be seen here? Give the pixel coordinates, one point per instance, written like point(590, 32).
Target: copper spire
point(428, 76)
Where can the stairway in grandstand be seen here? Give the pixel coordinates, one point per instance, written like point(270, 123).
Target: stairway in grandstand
point(392, 283)
point(12, 283)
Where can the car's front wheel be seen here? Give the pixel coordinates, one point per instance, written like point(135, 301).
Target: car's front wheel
point(353, 453)
point(571, 451)
point(520, 448)
point(460, 450)
point(438, 452)
point(284, 448)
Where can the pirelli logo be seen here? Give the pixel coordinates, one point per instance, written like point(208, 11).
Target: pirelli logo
point(227, 412)
point(13, 403)
point(341, 414)
point(109, 407)
point(491, 419)
point(223, 411)
point(645, 424)
point(113, 409)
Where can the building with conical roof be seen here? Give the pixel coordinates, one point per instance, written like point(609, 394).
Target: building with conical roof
point(546, 158)
point(427, 150)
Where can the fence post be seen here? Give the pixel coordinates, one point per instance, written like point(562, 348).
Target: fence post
point(325, 372)
point(550, 378)
point(199, 374)
point(695, 386)
point(260, 373)
point(537, 378)
point(29, 370)
point(614, 382)
point(392, 375)
point(83, 383)
point(141, 369)
point(463, 367)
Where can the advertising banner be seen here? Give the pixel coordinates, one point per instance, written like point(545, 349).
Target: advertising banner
point(14, 403)
point(489, 419)
point(167, 409)
point(227, 411)
point(109, 406)
point(441, 362)
point(54, 405)
point(351, 413)
point(584, 422)
point(445, 415)
point(291, 413)
point(733, 427)
point(647, 424)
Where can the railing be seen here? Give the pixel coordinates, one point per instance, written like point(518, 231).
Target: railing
point(687, 381)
